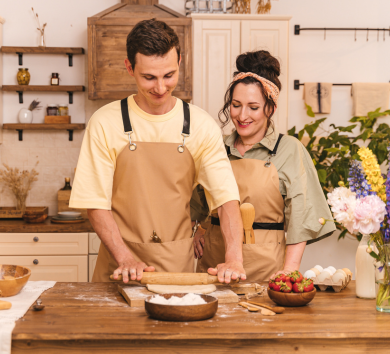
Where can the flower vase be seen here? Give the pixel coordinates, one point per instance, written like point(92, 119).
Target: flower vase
point(42, 39)
point(364, 271)
point(25, 116)
point(383, 282)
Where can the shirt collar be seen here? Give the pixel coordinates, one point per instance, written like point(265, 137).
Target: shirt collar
point(269, 141)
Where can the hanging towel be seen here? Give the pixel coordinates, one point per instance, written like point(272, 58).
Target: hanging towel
point(367, 97)
point(318, 95)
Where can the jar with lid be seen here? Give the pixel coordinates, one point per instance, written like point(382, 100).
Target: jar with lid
point(23, 76)
point(63, 110)
point(52, 109)
point(55, 80)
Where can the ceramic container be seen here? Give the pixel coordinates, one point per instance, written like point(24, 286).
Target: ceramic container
point(25, 116)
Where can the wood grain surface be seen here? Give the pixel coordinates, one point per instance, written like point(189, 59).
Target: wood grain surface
point(94, 317)
point(19, 226)
point(42, 50)
point(41, 88)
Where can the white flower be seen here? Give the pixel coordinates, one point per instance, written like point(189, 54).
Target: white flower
point(343, 211)
point(338, 194)
point(369, 212)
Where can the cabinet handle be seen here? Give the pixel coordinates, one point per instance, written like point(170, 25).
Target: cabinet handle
point(35, 261)
point(36, 239)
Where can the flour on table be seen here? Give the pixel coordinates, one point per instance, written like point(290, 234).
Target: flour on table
point(189, 299)
point(170, 289)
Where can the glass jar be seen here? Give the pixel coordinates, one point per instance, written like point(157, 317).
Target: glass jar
point(23, 76)
point(52, 110)
point(55, 80)
point(382, 281)
point(63, 110)
point(365, 270)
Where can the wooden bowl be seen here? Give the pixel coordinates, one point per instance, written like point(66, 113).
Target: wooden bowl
point(182, 313)
point(35, 215)
point(12, 279)
point(291, 299)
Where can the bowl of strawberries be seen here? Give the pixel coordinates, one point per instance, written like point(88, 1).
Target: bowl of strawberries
point(291, 290)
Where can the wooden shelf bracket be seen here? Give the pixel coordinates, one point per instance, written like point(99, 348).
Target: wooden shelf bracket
point(20, 55)
point(70, 56)
point(69, 92)
point(20, 96)
point(70, 97)
point(20, 134)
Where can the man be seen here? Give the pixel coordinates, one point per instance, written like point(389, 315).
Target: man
point(140, 160)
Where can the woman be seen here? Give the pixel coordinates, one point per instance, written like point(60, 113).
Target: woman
point(274, 172)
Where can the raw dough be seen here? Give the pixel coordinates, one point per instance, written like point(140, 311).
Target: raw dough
point(170, 289)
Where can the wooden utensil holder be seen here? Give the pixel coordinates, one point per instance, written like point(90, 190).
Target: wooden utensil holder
point(57, 119)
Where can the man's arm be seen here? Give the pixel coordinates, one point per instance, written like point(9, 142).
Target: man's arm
point(293, 258)
point(233, 235)
point(106, 228)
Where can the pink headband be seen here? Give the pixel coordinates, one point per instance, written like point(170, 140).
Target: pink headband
point(270, 87)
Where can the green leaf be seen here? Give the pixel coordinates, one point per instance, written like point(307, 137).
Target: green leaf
point(374, 255)
point(300, 134)
point(332, 150)
point(291, 131)
point(322, 175)
point(314, 162)
point(342, 234)
point(309, 111)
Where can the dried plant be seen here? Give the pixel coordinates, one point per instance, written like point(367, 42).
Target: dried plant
point(19, 182)
point(40, 28)
point(34, 105)
point(263, 8)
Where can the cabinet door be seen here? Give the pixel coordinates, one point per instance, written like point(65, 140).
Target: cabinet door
point(94, 243)
point(271, 36)
point(58, 268)
point(216, 46)
point(92, 258)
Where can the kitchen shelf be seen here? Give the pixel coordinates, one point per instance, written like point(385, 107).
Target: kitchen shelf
point(20, 127)
point(44, 88)
point(43, 50)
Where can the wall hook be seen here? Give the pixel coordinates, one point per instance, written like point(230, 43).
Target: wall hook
point(367, 34)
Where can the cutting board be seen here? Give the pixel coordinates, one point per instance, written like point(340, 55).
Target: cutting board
point(135, 295)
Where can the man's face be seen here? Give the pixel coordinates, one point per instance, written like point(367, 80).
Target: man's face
point(156, 76)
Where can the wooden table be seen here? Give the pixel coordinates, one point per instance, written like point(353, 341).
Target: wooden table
point(94, 318)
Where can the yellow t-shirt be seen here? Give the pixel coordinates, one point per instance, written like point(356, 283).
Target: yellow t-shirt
point(104, 140)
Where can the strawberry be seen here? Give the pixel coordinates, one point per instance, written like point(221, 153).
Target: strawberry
point(296, 276)
point(282, 277)
point(298, 287)
point(308, 285)
point(277, 286)
point(286, 287)
point(271, 284)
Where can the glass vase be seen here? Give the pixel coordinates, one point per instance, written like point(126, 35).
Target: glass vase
point(383, 282)
point(42, 39)
point(23, 76)
point(365, 271)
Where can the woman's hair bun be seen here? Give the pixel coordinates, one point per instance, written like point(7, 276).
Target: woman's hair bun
point(261, 63)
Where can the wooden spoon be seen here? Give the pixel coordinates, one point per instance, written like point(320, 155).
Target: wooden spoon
point(275, 309)
point(5, 305)
point(248, 217)
point(250, 308)
point(264, 311)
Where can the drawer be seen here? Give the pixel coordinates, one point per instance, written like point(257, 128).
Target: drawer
point(58, 268)
point(94, 243)
point(34, 244)
point(92, 258)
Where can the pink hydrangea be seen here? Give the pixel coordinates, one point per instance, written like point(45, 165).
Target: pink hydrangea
point(369, 212)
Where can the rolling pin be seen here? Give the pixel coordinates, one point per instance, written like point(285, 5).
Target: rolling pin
point(165, 278)
point(5, 305)
point(248, 217)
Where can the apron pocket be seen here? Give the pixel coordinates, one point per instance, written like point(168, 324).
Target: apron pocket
point(174, 256)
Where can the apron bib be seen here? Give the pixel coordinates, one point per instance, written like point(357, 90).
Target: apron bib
point(151, 195)
point(258, 183)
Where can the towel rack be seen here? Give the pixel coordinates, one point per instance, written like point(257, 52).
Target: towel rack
point(298, 29)
point(297, 84)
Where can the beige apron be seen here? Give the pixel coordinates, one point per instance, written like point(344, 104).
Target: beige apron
point(258, 185)
point(152, 189)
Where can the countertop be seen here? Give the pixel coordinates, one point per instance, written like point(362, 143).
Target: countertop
point(18, 225)
point(93, 317)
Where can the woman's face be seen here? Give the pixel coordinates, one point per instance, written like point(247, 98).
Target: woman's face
point(247, 110)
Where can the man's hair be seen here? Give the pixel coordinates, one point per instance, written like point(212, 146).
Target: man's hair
point(150, 38)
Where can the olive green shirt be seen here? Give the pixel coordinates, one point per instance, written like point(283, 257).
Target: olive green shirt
point(304, 201)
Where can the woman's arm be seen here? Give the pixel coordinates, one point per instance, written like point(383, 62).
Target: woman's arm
point(293, 259)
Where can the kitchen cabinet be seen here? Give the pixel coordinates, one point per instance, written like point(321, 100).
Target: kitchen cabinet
point(93, 250)
point(219, 39)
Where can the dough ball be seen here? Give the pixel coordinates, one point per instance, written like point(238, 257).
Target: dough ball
point(170, 289)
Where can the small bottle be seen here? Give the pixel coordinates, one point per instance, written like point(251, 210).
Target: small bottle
point(63, 110)
point(67, 186)
point(55, 81)
point(52, 109)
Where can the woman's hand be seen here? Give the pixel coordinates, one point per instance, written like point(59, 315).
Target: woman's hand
point(199, 242)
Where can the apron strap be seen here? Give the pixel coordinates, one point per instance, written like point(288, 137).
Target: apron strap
point(186, 122)
point(126, 116)
point(273, 152)
point(257, 225)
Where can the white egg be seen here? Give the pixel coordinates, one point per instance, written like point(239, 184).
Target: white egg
point(337, 277)
point(315, 270)
point(341, 271)
point(319, 268)
point(325, 274)
point(331, 269)
point(346, 270)
point(309, 274)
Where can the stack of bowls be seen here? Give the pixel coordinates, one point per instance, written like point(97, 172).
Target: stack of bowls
point(67, 216)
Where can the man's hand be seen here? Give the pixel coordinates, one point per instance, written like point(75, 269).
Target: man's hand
point(228, 271)
point(133, 268)
point(284, 271)
point(199, 242)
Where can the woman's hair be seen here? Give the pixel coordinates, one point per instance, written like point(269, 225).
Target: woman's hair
point(263, 64)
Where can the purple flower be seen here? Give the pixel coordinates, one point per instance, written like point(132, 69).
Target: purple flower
point(357, 181)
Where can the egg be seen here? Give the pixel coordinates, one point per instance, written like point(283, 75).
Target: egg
point(315, 270)
point(331, 269)
point(347, 271)
point(342, 272)
point(337, 277)
point(319, 268)
point(309, 274)
point(325, 274)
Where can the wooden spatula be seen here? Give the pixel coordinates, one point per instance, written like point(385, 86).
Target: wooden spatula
point(5, 305)
point(248, 217)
